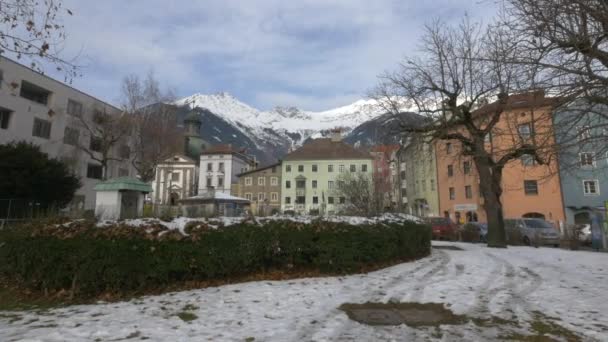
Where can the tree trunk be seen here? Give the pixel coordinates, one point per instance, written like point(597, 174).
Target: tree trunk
point(491, 188)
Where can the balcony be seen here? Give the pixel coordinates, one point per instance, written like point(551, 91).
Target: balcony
point(300, 192)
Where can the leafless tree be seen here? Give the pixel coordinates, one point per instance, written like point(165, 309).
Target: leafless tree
point(156, 135)
point(360, 194)
point(108, 130)
point(33, 30)
point(458, 72)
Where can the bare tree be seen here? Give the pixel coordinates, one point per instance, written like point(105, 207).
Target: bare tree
point(156, 135)
point(32, 30)
point(357, 194)
point(108, 132)
point(451, 82)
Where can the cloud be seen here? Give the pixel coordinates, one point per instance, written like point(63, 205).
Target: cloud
point(313, 53)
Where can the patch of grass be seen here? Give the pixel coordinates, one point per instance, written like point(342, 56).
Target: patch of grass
point(14, 300)
point(187, 316)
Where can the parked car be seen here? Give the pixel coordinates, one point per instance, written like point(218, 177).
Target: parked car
point(443, 228)
point(475, 232)
point(533, 231)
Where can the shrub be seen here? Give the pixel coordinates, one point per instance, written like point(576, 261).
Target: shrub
point(120, 259)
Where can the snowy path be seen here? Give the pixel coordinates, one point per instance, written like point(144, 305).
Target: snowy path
point(514, 284)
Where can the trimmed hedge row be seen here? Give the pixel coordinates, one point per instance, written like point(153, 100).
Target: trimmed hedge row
point(90, 264)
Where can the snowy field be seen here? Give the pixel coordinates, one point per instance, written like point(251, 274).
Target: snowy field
point(513, 284)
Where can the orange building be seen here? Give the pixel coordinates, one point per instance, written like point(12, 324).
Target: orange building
point(529, 189)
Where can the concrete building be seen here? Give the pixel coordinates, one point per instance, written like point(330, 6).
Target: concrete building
point(219, 167)
point(262, 186)
point(529, 190)
point(417, 169)
point(583, 167)
point(310, 175)
point(38, 109)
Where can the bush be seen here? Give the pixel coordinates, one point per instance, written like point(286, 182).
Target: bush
point(120, 259)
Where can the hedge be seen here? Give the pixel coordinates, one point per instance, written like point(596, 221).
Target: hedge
point(90, 261)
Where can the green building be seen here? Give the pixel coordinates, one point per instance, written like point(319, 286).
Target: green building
point(310, 176)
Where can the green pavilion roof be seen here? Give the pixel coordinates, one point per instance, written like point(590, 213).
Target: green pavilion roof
point(123, 183)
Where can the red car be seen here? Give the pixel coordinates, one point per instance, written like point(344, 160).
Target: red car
point(443, 228)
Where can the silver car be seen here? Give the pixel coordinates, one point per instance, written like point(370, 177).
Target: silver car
point(534, 231)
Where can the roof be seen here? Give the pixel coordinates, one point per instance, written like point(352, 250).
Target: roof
point(123, 183)
point(533, 99)
point(327, 149)
point(215, 197)
point(258, 169)
point(222, 149)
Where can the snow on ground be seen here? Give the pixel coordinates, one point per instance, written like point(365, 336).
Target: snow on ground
point(476, 281)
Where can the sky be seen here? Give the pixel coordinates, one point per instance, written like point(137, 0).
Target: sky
point(312, 54)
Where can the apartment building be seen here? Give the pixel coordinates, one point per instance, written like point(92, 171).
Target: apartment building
point(310, 175)
point(220, 166)
point(41, 110)
point(262, 186)
point(529, 189)
point(385, 174)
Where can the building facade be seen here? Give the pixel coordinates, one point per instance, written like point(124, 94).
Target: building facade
point(311, 175)
point(40, 110)
point(220, 166)
point(262, 186)
point(385, 172)
point(417, 168)
point(529, 189)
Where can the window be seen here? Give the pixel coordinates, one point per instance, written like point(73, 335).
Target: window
point(288, 169)
point(209, 182)
point(209, 167)
point(261, 196)
point(584, 133)
point(450, 170)
point(220, 167)
point(402, 174)
point(424, 185)
point(591, 187)
point(70, 136)
point(122, 172)
point(353, 168)
point(300, 184)
point(468, 191)
point(74, 108)
point(432, 185)
point(315, 200)
point(5, 116)
point(248, 181)
point(452, 194)
point(525, 131)
point(220, 182)
point(1, 78)
point(364, 168)
point(466, 167)
point(330, 200)
point(416, 187)
point(300, 168)
point(314, 184)
point(330, 184)
point(342, 168)
point(330, 168)
point(528, 160)
point(586, 159)
point(274, 196)
point(94, 171)
point(340, 184)
point(287, 200)
point(300, 200)
point(175, 177)
point(42, 128)
point(531, 187)
point(261, 181)
point(274, 181)
point(448, 148)
point(249, 196)
point(34, 93)
point(314, 168)
point(95, 144)
point(342, 200)
point(125, 152)
point(288, 184)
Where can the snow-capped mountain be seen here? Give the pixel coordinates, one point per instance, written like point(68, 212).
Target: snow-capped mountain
point(271, 134)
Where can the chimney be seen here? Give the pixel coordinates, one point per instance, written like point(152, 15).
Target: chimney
point(336, 135)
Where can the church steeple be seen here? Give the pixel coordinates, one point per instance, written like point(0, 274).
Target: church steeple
point(193, 123)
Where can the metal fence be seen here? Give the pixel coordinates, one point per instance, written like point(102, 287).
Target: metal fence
point(15, 210)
